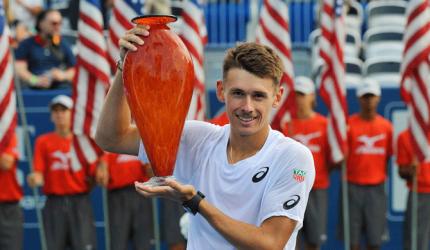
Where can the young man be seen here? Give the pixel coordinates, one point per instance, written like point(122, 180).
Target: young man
point(310, 128)
point(370, 147)
point(11, 217)
point(67, 215)
point(253, 183)
point(408, 167)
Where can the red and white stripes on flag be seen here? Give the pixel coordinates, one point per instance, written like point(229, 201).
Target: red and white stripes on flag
point(122, 13)
point(273, 31)
point(194, 35)
point(332, 87)
point(415, 84)
point(8, 117)
point(90, 84)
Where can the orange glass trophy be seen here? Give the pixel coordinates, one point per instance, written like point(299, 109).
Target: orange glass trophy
point(158, 81)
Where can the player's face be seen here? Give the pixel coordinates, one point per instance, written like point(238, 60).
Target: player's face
point(304, 101)
point(61, 116)
point(249, 100)
point(369, 102)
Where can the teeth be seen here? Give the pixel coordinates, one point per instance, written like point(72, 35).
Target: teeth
point(245, 119)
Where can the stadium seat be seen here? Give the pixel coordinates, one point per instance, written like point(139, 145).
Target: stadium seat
point(354, 17)
point(353, 72)
point(352, 43)
point(384, 69)
point(383, 13)
point(383, 41)
point(313, 44)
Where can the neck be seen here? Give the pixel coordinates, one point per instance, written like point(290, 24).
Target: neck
point(368, 115)
point(304, 114)
point(242, 147)
point(63, 132)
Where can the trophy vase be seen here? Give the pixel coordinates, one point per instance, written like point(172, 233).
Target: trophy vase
point(158, 81)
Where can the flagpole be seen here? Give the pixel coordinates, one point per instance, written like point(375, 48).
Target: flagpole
point(106, 218)
point(28, 148)
point(345, 207)
point(414, 210)
point(156, 223)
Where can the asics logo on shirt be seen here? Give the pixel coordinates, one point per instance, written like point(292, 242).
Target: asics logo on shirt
point(61, 160)
point(305, 139)
point(260, 174)
point(368, 146)
point(292, 202)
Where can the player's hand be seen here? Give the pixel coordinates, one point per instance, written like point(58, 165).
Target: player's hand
point(171, 189)
point(35, 179)
point(102, 174)
point(132, 38)
point(6, 161)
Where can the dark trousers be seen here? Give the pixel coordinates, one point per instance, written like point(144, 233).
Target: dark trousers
point(11, 231)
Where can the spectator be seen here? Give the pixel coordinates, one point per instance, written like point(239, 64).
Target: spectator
point(310, 128)
point(408, 168)
point(256, 180)
point(45, 60)
point(11, 218)
point(130, 216)
point(67, 215)
point(26, 11)
point(370, 148)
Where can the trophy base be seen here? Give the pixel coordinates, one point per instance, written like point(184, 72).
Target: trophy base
point(156, 181)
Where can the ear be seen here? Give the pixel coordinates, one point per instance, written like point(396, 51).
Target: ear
point(220, 91)
point(278, 96)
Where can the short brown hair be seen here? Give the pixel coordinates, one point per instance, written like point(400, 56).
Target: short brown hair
point(257, 59)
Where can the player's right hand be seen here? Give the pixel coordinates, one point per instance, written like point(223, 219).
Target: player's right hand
point(35, 179)
point(132, 38)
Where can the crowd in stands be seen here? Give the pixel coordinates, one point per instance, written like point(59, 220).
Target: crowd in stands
point(45, 61)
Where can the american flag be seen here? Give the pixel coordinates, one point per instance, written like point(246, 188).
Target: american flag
point(122, 13)
point(415, 84)
point(332, 87)
point(273, 31)
point(194, 35)
point(90, 84)
point(8, 117)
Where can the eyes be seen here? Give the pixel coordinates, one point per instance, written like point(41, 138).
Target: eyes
point(256, 95)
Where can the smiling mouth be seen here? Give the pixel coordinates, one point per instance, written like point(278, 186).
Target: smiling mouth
point(246, 118)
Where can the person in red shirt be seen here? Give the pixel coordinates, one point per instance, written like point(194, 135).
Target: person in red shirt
point(130, 216)
point(408, 167)
point(310, 128)
point(369, 149)
point(67, 215)
point(11, 217)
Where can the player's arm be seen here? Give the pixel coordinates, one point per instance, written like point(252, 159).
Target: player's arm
point(115, 133)
point(273, 234)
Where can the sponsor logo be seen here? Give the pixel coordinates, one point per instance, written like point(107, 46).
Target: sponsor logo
point(305, 139)
point(292, 202)
point(368, 145)
point(260, 174)
point(299, 175)
point(61, 160)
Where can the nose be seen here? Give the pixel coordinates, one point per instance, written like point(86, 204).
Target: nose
point(247, 105)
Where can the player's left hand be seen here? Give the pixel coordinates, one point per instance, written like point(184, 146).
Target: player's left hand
point(171, 189)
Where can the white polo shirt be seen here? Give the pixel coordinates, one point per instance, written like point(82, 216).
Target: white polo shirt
point(276, 181)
